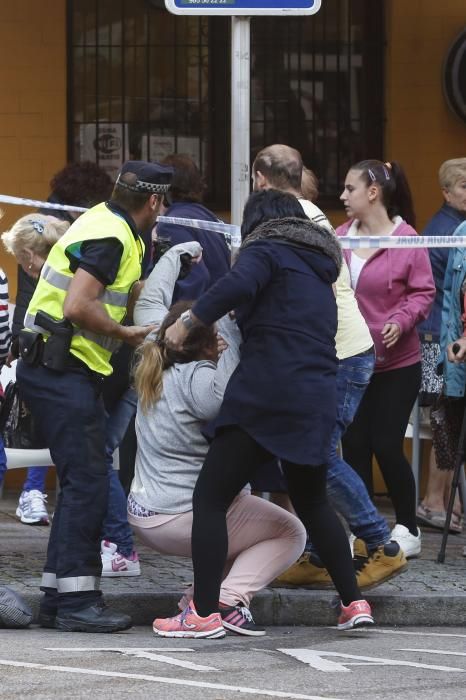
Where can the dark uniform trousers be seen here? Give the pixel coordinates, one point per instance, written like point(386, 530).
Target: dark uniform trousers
point(69, 414)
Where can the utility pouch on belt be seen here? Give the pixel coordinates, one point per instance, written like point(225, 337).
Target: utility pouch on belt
point(56, 353)
point(31, 347)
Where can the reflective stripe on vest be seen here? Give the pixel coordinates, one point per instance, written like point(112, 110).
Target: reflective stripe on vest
point(103, 341)
point(61, 281)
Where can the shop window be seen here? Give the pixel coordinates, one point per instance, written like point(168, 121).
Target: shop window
point(144, 83)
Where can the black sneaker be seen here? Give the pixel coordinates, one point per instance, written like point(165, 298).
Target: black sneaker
point(96, 618)
point(239, 619)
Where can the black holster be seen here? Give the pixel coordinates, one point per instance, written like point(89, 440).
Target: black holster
point(56, 352)
point(31, 347)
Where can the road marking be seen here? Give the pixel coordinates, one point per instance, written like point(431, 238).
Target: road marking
point(169, 681)
point(169, 649)
point(316, 659)
point(436, 651)
point(148, 653)
point(410, 634)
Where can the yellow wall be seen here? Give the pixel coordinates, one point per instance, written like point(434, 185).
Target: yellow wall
point(32, 103)
point(421, 131)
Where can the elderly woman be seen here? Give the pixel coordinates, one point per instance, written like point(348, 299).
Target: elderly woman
point(30, 241)
point(444, 417)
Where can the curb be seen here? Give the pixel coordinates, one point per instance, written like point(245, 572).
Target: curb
point(284, 607)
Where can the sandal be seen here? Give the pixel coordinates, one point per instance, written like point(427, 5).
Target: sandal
point(436, 519)
point(430, 518)
point(456, 524)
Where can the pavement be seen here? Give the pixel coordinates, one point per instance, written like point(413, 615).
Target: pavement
point(426, 594)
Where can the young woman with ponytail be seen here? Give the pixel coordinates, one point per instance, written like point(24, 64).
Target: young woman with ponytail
point(179, 391)
point(395, 290)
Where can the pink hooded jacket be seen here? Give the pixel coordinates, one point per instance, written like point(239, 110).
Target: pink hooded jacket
point(395, 286)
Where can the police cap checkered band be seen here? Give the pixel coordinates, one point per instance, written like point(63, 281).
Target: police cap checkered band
point(151, 178)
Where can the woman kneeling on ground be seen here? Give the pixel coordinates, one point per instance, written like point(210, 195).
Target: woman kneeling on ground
point(180, 391)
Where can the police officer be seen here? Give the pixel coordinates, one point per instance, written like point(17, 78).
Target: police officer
point(81, 301)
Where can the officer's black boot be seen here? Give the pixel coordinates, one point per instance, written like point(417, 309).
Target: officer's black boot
point(95, 618)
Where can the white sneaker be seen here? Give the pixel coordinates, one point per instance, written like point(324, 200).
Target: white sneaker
point(115, 564)
point(410, 544)
point(31, 508)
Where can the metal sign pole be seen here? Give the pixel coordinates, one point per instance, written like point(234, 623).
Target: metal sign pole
point(240, 108)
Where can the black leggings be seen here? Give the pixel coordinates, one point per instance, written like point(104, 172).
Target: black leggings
point(378, 429)
point(231, 462)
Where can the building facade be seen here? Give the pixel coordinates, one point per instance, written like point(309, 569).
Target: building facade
point(107, 80)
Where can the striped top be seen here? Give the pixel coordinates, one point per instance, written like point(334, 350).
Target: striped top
point(5, 333)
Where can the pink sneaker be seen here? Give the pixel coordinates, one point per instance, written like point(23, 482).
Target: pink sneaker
point(190, 624)
point(356, 614)
point(115, 564)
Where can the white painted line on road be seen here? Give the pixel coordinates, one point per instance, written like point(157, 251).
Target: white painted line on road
point(144, 653)
point(169, 681)
point(436, 651)
point(408, 634)
point(315, 658)
point(164, 649)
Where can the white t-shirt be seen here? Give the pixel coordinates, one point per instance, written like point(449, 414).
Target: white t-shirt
point(356, 266)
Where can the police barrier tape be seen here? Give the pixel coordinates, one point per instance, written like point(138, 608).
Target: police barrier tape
point(348, 242)
point(8, 199)
point(233, 233)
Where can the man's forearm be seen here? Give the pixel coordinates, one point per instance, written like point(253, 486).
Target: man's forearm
point(92, 316)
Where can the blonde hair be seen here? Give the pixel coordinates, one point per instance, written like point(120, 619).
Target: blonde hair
point(148, 370)
point(451, 171)
point(35, 232)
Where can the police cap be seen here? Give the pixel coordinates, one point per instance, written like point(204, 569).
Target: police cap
point(151, 178)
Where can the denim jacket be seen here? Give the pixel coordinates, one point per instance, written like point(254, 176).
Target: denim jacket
point(454, 376)
point(443, 223)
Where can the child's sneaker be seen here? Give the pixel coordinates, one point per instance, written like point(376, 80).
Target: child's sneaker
point(191, 625)
point(115, 564)
point(356, 614)
point(238, 619)
point(31, 508)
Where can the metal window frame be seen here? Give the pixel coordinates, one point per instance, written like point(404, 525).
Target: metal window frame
point(372, 105)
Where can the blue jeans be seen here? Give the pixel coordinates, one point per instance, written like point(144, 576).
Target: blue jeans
point(345, 489)
point(35, 479)
point(3, 466)
point(116, 528)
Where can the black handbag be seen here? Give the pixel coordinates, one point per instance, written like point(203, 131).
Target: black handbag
point(17, 426)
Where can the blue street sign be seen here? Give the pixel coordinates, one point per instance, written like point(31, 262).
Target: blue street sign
point(243, 7)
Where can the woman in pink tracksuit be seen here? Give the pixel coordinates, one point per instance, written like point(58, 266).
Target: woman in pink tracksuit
point(394, 288)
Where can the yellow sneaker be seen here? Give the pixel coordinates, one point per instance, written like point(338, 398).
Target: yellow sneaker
point(305, 573)
point(386, 562)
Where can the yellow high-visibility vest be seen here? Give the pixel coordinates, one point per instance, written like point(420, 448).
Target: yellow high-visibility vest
point(97, 223)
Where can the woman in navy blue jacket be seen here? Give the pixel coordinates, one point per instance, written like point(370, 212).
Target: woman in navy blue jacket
point(280, 401)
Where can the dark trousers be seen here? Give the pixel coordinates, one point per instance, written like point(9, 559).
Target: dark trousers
point(69, 413)
point(378, 429)
point(232, 460)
